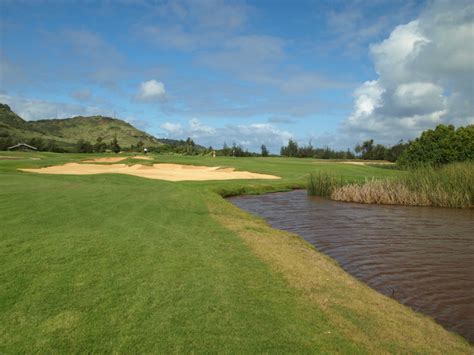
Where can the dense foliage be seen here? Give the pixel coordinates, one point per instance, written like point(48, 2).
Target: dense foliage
point(370, 151)
point(185, 147)
point(443, 145)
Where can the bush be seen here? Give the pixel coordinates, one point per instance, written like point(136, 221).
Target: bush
point(443, 145)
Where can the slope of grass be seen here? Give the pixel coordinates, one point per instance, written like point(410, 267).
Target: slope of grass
point(114, 263)
point(90, 128)
point(66, 132)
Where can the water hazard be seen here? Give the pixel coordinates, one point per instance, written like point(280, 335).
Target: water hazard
point(423, 257)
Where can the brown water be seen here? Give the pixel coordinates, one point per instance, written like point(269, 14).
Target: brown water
point(421, 256)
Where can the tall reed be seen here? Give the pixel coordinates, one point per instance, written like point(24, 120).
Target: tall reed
point(450, 186)
point(323, 184)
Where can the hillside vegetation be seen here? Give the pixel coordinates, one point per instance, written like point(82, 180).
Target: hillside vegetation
point(63, 134)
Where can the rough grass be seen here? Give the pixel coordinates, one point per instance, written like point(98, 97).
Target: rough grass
point(323, 184)
point(121, 264)
point(450, 186)
point(372, 322)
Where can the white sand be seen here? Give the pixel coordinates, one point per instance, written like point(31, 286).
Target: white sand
point(105, 160)
point(354, 162)
point(142, 157)
point(368, 162)
point(170, 172)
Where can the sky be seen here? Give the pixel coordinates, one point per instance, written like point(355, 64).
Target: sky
point(333, 73)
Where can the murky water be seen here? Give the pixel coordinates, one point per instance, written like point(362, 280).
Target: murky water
point(421, 256)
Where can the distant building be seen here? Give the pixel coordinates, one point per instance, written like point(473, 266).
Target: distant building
point(23, 147)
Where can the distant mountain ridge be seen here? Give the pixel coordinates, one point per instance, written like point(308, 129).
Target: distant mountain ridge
point(66, 132)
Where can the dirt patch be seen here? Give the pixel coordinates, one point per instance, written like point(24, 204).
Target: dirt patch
point(170, 172)
point(105, 160)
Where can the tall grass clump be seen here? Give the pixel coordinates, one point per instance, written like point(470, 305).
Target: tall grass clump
point(449, 186)
point(323, 184)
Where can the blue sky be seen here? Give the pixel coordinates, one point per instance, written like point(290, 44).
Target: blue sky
point(245, 72)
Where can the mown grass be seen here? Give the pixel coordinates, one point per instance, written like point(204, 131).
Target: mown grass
point(120, 264)
point(450, 186)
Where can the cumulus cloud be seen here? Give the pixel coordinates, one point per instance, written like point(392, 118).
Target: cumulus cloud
point(151, 90)
point(425, 76)
point(250, 136)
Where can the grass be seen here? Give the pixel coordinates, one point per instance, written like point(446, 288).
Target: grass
point(450, 186)
point(120, 264)
point(323, 184)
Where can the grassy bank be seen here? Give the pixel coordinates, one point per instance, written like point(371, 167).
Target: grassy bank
point(450, 186)
point(114, 263)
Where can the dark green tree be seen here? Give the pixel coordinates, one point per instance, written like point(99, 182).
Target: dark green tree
point(84, 146)
point(114, 145)
point(264, 150)
point(291, 150)
point(443, 145)
point(100, 146)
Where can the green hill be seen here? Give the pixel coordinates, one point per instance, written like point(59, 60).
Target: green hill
point(64, 134)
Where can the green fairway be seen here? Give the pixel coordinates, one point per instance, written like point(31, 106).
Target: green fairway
point(115, 263)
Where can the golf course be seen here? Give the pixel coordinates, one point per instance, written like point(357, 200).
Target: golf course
point(116, 262)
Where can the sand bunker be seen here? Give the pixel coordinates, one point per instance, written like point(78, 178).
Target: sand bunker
point(170, 172)
point(105, 160)
point(142, 157)
point(354, 162)
point(368, 162)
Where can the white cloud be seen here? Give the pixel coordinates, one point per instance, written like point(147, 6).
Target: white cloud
point(151, 90)
point(171, 128)
point(199, 129)
point(425, 76)
point(357, 23)
point(35, 109)
point(250, 136)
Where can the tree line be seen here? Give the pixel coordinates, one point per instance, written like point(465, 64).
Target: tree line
point(442, 145)
point(308, 151)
